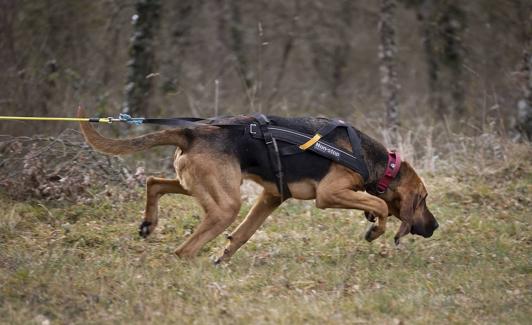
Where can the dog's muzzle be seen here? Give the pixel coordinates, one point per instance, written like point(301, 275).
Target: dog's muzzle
point(423, 230)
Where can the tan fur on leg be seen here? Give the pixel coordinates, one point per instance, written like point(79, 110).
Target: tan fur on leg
point(338, 190)
point(217, 190)
point(155, 188)
point(263, 207)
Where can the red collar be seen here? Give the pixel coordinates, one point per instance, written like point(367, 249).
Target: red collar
point(392, 168)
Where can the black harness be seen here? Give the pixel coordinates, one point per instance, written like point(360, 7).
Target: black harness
point(264, 130)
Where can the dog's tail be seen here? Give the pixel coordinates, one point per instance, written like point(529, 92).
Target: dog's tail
point(177, 137)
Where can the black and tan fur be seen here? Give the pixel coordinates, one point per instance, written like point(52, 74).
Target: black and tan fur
point(212, 161)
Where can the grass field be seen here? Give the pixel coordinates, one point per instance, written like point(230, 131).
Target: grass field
point(85, 264)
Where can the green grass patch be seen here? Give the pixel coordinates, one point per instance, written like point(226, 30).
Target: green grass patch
point(84, 264)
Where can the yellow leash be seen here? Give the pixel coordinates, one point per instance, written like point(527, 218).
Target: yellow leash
point(64, 119)
point(186, 121)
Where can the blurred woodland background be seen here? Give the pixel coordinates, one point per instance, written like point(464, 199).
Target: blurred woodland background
point(462, 64)
point(448, 83)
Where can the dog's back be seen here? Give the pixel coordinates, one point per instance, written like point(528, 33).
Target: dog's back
point(251, 153)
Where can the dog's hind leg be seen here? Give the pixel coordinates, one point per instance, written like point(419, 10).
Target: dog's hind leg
point(262, 208)
point(218, 193)
point(155, 188)
point(217, 218)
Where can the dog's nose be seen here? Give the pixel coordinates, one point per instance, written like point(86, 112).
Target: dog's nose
point(436, 225)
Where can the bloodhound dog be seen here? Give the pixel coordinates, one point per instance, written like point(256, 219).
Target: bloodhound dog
point(211, 162)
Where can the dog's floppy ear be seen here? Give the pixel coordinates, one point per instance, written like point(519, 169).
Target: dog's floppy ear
point(409, 202)
point(404, 229)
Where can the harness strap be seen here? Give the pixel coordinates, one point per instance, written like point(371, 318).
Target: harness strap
point(356, 147)
point(321, 148)
point(326, 149)
point(273, 153)
point(322, 132)
point(310, 142)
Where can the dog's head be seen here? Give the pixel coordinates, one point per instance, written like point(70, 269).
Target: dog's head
point(410, 206)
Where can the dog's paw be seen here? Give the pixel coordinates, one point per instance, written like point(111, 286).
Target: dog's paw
point(224, 257)
point(397, 240)
point(144, 229)
point(370, 216)
point(373, 233)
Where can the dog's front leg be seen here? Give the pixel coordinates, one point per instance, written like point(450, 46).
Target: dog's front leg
point(336, 192)
point(262, 208)
point(155, 188)
point(369, 216)
point(349, 199)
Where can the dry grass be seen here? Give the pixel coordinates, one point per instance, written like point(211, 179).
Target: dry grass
point(62, 168)
point(86, 264)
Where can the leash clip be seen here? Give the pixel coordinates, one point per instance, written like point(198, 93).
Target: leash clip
point(252, 128)
point(129, 120)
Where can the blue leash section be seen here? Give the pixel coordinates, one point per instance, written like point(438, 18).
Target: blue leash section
point(130, 120)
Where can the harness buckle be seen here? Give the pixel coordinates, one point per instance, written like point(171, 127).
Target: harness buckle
point(252, 128)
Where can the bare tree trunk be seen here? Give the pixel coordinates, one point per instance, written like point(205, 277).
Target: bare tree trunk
point(179, 20)
point(331, 60)
point(442, 25)
point(287, 49)
point(429, 33)
point(231, 18)
point(387, 54)
point(141, 65)
point(8, 56)
point(453, 23)
point(342, 50)
point(524, 105)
